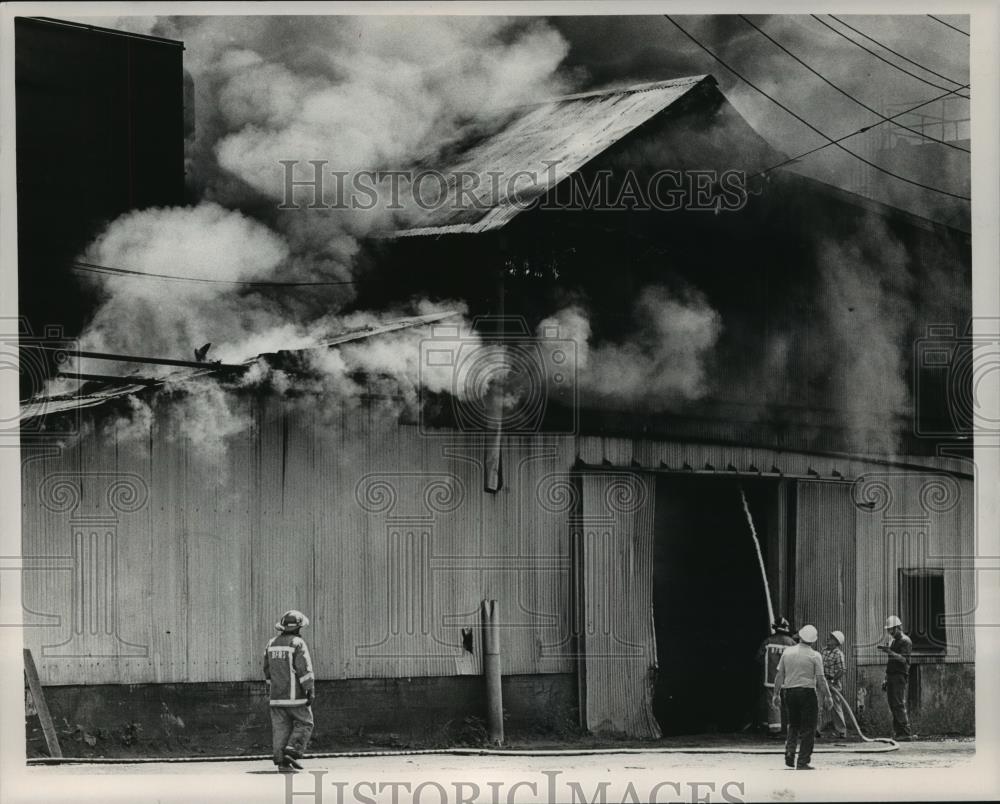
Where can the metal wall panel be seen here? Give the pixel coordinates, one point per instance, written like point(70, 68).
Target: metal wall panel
point(825, 567)
point(619, 647)
point(216, 537)
point(381, 533)
point(915, 520)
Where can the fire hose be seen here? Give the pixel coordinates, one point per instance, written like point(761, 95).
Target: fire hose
point(847, 706)
point(494, 752)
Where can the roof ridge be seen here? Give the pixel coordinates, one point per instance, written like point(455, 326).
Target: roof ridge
point(86, 26)
point(646, 87)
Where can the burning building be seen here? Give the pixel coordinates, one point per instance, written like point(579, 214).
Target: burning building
point(621, 396)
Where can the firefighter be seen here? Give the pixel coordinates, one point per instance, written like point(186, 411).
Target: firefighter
point(781, 637)
point(897, 676)
point(292, 690)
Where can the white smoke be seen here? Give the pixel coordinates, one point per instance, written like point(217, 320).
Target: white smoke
point(360, 93)
point(661, 364)
point(377, 92)
point(392, 360)
point(170, 319)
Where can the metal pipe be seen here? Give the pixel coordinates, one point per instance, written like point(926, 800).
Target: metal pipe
point(491, 670)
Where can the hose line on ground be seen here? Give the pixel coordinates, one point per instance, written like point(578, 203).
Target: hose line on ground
point(569, 752)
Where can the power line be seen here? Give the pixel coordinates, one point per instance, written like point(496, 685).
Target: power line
point(105, 269)
point(880, 57)
point(861, 130)
point(806, 123)
point(893, 52)
point(948, 25)
point(844, 92)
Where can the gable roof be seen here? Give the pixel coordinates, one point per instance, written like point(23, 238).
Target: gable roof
point(551, 140)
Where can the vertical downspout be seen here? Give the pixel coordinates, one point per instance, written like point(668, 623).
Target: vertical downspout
point(491, 671)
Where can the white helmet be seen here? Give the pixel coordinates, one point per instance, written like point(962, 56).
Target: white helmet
point(839, 636)
point(808, 633)
point(892, 621)
point(291, 620)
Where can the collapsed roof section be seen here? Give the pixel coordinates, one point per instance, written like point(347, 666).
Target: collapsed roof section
point(94, 392)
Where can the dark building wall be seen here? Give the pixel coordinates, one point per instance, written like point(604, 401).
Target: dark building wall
point(100, 131)
point(351, 714)
point(823, 296)
point(941, 700)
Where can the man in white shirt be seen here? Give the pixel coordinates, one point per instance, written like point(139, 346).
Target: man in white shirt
point(800, 675)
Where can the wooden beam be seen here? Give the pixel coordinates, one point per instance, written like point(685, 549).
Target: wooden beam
point(38, 696)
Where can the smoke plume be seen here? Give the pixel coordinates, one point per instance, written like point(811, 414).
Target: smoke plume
point(359, 93)
point(663, 361)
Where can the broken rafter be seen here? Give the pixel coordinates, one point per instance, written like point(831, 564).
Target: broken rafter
point(158, 361)
point(110, 378)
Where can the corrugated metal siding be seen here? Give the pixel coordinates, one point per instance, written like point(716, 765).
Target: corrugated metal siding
point(616, 533)
point(656, 454)
point(291, 515)
point(222, 546)
point(915, 520)
point(825, 566)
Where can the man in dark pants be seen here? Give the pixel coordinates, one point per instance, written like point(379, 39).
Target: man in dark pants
point(897, 677)
point(800, 676)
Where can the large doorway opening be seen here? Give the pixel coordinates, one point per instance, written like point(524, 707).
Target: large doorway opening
point(709, 604)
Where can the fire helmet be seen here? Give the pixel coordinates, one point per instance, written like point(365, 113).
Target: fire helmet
point(892, 621)
point(291, 620)
point(839, 636)
point(808, 633)
point(781, 626)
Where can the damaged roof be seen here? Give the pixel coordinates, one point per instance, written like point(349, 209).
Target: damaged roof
point(551, 140)
point(93, 393)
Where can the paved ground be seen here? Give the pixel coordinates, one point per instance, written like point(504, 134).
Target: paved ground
point(726, 776)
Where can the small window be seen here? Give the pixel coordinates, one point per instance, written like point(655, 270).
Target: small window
point(921, 606)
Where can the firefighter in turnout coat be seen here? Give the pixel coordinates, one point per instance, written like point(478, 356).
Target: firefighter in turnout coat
point(289, 674)
point(768, 655)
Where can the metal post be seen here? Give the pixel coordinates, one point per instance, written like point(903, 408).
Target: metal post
point(491, 670)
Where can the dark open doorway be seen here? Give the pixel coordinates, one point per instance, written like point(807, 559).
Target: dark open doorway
point(709, 602)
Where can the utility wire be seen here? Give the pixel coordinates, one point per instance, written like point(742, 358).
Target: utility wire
point(844, 92)
point(861, 130)
point(875, 41)
point(809, 125)
point(948, 25)
point(880, 57)
point(105, 269)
